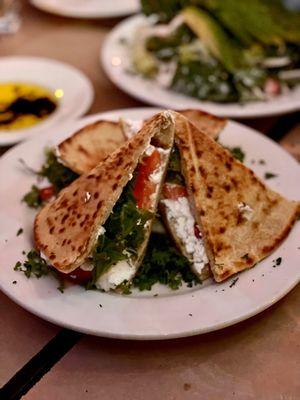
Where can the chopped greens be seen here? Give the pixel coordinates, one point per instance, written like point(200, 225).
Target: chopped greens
point(124, 233)
point(34, 265)
point(164, 264)
point(270, 175)
point(59, 175)
point(174, 168)
point(165, 48)
point(32, 198)
point(237, 153)
point(56, 173)
point(37, 266)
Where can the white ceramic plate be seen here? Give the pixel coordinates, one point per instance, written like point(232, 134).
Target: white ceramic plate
point(88, 8)
point(185, 312)
point(115, 58)
point(78, 91)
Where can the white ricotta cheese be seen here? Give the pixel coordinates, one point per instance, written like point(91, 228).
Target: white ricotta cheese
point(245, 210)
point(117, 274)
point(45, 258)
point(180, 216)
point(101, 231)
point(156, 175)
point(87, 266)
point(58, 155)
point(149, 150)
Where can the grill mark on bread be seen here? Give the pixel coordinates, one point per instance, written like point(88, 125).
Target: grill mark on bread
point(227, 187)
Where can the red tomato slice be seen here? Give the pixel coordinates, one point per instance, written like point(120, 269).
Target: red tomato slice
point(78, 276)
point(172, 191)
point(143, 187)
point(46, 193)
point(145, 200)
point(272, 87)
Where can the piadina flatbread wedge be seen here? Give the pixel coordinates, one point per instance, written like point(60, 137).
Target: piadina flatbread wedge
point(92, 144)
point(98, 227)
point(238, 218)
point(205, 122)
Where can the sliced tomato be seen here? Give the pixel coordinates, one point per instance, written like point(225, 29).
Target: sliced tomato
point(78, 276)
point(145, 201)
point(143, 188)
point(272, 87)
point(46, 193)
point(172, 191)
point(152, 162)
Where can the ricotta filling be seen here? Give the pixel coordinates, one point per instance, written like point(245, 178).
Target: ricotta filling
point(180, 216)
point(117, 274)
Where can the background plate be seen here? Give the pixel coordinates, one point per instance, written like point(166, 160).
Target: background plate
point(185, 312)
point(88, 8)
point(115, 57)
point(51, 74)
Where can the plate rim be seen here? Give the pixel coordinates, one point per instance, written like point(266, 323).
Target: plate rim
point(25, 134)
point(241, 111)
point(154, 336)
point(40, 4)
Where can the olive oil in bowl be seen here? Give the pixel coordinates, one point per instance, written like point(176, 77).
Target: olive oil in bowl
point(23, 105)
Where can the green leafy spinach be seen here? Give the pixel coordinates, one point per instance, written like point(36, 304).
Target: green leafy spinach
point(124, 233)
point(164, 264)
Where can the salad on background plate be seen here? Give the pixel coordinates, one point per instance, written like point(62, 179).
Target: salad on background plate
point(222, 51)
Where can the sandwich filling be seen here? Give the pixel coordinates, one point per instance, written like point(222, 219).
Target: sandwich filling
point(179, 216)
point(115, 258)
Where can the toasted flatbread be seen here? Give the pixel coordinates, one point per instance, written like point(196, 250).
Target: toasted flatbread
point(90, 145)
point(241, 219)
point(66, 230)
point(205, 122)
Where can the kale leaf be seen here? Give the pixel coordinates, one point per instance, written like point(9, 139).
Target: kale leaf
point(59, 175)
point(237, 153)
point(164, 264)
point(124, 233)
point(32, 198)
point(174, 168)
point(56, 173)
point(33, 265)
point(37, 266)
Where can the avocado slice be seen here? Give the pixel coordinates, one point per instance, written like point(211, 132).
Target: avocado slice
point(143, 61)
point(216, 40)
